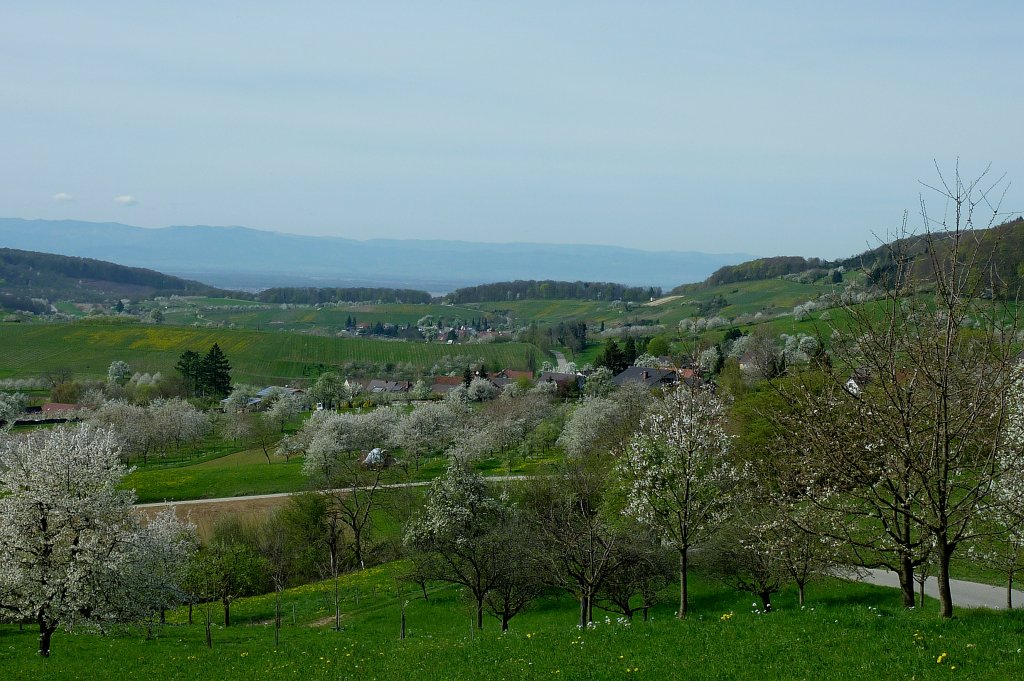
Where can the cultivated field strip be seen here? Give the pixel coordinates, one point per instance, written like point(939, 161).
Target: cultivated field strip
point(304, 317)
point(28, 350)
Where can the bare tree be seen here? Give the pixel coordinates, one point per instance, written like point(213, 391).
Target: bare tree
point(275, 545)
point(646, 568)
point(914, 450)
point(576, 533)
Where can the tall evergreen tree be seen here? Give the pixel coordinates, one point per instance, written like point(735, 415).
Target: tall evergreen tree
point(630, 351)
point(612, 356)
point(215, 373)
point(190, 367)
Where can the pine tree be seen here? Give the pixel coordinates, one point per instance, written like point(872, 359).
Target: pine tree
point(612, 356)
point(215, 376)
point(630, 351)
point(190, 367)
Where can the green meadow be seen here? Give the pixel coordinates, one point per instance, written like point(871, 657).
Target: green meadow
point(247, 472)
point(307, 317)
point(846, 631)
point(555, 311)
point(237, 474)
point(267, 357)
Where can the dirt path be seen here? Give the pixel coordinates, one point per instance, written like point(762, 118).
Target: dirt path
point(662, 301)
point(284, 495)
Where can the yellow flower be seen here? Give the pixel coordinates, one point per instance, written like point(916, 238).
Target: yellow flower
point(941, 658)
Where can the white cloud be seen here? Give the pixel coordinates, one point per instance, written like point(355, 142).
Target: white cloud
point(125, 200)
point(63, 197)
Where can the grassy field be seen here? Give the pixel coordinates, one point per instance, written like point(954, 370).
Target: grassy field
point(247, 472)
point(303, 318)
point(846, 631)
point(191, 310)
point(242, 473)
point(256, 357)
point(772, 296)
point(555, 311)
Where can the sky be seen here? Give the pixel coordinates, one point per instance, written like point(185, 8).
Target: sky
point(796, 128)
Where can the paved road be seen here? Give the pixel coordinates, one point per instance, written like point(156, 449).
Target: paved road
point(965, 594)
point(563, 366)
point(280, 495)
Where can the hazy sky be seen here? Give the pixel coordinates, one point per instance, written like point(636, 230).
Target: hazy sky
point(767, 127)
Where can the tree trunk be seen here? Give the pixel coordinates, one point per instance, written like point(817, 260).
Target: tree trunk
point(190, 612)
point(505, 617)
point(209, 633)
point(683, 593)
point(277, 617)
point(800, 591)
point(46, 630)
point(921, 589)
point(1009, 592)
point(337, 600)
point(944, 552)
point(583, 610)
point(227, 611)
point(480, 612)
point(766, 600)
point(906, 574)
point(357, 546)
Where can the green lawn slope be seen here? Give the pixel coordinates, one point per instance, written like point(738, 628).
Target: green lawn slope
point(87, 348)
point(846, 631)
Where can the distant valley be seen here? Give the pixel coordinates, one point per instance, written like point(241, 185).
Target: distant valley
point(249, 259)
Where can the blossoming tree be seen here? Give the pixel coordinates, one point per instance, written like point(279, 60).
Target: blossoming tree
point(69, 541)
point(677, 474)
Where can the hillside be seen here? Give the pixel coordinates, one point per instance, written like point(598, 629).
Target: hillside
point(1005, 243)
point(754, 270)
point(25, 275)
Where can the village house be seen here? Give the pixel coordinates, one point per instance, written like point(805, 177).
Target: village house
point(379, 385)
point(648, 376)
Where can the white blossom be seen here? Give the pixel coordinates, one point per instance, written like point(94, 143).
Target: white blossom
point(66, 529)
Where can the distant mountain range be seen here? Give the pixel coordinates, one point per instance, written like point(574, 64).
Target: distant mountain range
point(249, 259)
